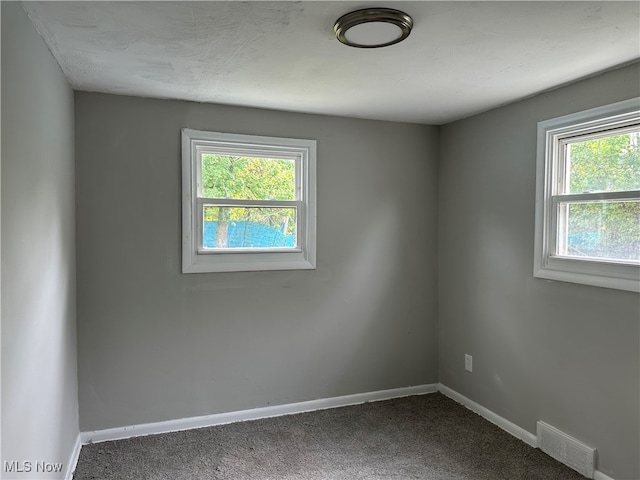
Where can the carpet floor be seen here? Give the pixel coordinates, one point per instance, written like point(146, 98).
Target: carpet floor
point(426, 437)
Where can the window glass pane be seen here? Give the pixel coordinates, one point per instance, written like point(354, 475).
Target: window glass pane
point(247, 178)
point(603, 230)
point(249, 227)
point(607, 164)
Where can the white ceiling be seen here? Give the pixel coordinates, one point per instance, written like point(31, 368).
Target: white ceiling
point(461, 58)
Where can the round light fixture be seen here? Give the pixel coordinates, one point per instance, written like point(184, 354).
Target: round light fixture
point(373, 27)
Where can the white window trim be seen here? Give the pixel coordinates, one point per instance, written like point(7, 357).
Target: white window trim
point(608, 274)
point(194, 258)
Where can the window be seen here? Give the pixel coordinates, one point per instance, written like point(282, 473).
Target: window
point(588, 197)
point(248, 203)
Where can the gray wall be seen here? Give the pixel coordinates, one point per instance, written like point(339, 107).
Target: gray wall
point(563, 353)
point(39, 386)
point(155, 344)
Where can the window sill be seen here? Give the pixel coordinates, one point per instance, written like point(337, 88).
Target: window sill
point(246, 262)
point(589, 272)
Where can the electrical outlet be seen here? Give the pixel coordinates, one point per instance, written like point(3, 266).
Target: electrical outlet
point(468, 363)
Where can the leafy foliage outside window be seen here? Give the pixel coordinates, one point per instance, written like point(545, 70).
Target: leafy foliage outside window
point(607, 164)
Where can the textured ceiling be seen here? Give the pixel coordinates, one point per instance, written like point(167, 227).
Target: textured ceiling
point(461, 58)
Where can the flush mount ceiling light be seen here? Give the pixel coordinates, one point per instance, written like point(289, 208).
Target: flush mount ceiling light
point(373, 27)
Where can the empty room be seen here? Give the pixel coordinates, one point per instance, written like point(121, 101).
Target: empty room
point(320, 240)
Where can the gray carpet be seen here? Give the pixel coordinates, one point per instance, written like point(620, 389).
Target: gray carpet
point(426, 437)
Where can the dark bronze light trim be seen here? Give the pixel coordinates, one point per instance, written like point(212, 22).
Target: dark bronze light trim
point(388, 15)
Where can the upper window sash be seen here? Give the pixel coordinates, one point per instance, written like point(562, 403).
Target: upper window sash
point(561, 142)
point(257, 151)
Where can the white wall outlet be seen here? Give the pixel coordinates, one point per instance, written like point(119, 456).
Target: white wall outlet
point(468, 363)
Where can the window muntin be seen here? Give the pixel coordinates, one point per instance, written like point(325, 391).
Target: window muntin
point(248, 202)
point(588, 197)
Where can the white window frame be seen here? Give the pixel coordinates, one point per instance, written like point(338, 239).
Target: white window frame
point(552, 135)
point(195, 258)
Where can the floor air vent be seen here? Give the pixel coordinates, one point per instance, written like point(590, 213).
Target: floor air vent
point(566, 449)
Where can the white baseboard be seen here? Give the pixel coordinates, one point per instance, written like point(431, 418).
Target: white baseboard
point(167, 426)
point(73, 459)
point(518, 432)
point(509, 427)
point(598, 475)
